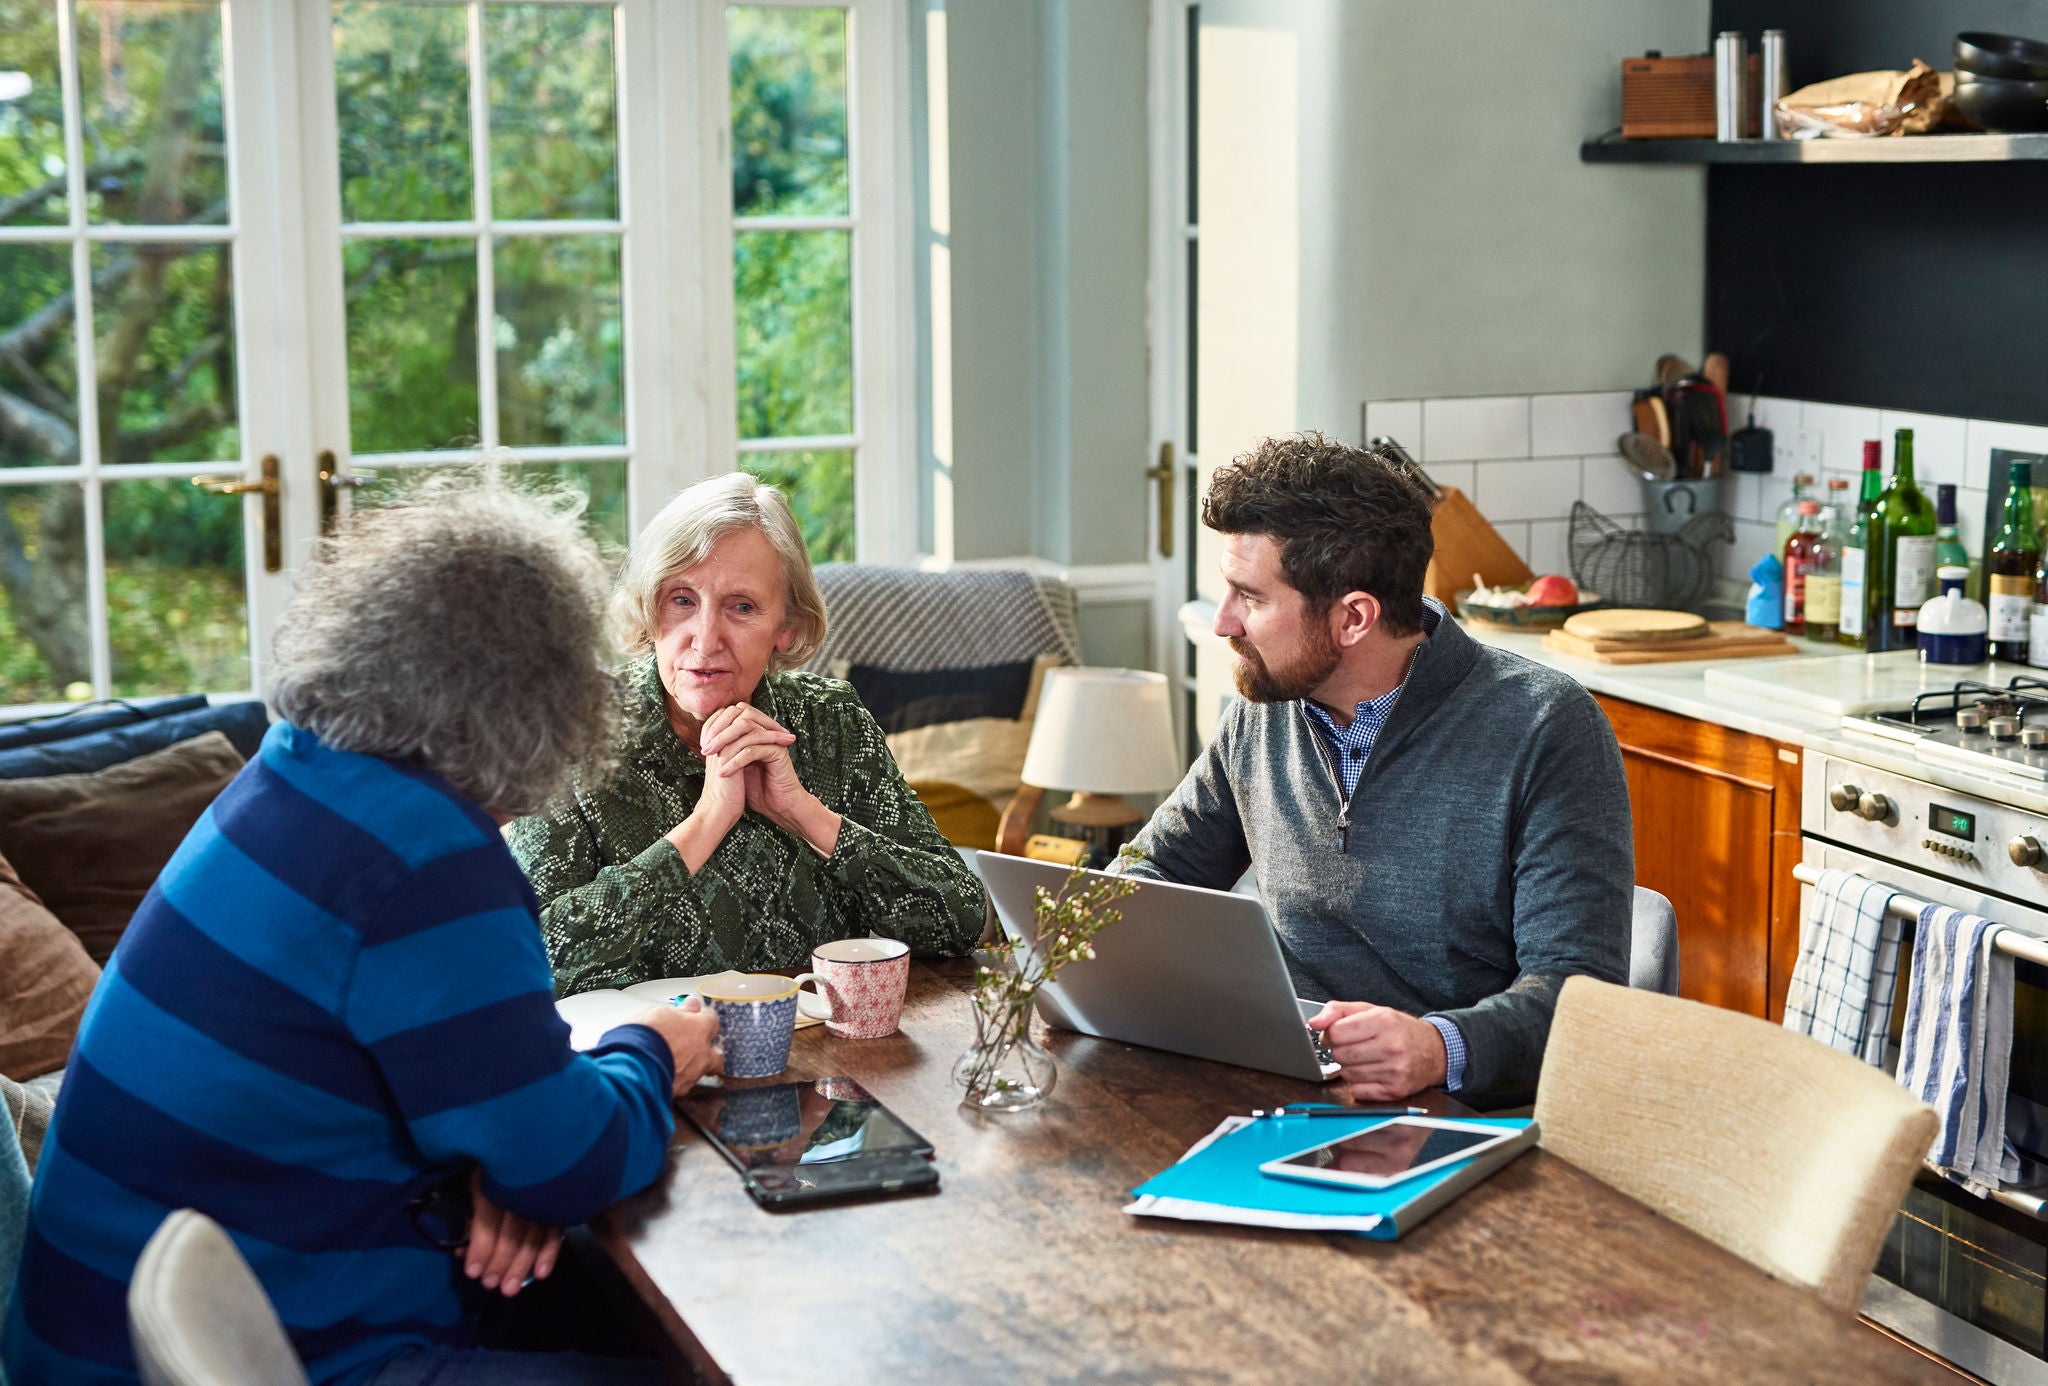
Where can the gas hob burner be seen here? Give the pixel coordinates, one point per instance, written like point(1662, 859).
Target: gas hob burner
point(1979, 727)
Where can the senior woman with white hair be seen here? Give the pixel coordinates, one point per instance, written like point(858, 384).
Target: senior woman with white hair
point(330, 1026)
point(755, 811)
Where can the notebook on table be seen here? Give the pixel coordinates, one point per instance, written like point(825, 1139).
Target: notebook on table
point(1219, 1180)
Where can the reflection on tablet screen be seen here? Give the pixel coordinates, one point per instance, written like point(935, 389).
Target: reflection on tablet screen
point(1389, 1150)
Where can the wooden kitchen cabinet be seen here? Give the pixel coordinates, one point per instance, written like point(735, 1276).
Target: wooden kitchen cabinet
point(1717, 832)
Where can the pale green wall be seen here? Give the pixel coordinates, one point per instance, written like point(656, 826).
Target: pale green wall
point(1047, 131)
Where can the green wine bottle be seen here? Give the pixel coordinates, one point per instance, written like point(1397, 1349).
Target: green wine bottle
point(1854, 543)
point(1899, 562)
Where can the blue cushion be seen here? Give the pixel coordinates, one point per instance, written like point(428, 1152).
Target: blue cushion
point(243, 723)
point(93, 718)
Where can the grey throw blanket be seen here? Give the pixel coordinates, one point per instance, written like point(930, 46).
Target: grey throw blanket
point(903, 618)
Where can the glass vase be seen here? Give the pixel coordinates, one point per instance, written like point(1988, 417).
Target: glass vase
point(1006, 1070)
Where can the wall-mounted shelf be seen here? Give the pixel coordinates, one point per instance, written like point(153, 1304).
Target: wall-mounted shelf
point(1905, 149)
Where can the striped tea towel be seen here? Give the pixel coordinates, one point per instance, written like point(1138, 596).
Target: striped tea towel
point(1958, 1050)
point(1848, 968)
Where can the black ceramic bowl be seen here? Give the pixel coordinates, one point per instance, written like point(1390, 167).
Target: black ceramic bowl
point(2002, 55)
point(2005, 107)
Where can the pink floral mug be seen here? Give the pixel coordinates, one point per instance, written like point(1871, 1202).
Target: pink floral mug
point(860, 985)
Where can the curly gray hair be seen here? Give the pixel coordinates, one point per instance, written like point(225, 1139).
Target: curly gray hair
point(459, 628)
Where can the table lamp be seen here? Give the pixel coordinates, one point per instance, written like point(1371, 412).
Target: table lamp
point(1102, 733)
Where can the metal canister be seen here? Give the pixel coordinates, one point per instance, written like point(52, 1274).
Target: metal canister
point(1731, 82)
point(1776, 80)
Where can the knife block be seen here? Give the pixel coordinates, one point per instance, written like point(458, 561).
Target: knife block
point(1467, 544)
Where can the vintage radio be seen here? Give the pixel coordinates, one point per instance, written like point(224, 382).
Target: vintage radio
point(1673, 98)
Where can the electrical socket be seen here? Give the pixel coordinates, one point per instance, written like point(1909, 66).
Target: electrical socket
point(1795, 450)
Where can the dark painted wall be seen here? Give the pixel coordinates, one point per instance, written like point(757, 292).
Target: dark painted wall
point(1921, 287)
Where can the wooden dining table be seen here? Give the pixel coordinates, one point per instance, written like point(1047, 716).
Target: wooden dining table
point(1023, 1266)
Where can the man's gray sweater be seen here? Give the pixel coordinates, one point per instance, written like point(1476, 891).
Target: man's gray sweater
point(1484, 857)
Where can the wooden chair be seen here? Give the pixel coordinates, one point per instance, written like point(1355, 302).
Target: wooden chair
point(197, 1315)
point(1789, 1154)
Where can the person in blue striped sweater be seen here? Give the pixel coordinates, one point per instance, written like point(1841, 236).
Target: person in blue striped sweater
point(332, 1019)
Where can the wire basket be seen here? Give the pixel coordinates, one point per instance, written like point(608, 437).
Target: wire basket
point(1635, 567)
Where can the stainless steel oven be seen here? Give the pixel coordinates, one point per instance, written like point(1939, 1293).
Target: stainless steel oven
point(1966, 1277)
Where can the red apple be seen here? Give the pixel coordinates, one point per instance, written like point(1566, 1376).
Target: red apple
point(1553, 589)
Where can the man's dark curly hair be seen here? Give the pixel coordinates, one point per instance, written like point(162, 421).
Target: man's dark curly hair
point(1346, 519)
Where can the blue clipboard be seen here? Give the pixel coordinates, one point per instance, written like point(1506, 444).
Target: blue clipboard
point(1220, 1181)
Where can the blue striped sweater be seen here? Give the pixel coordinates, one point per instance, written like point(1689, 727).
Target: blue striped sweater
point(334, 999)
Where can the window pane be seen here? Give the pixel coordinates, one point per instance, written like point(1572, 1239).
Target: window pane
point(401, 102)
point(793, 332)
point(44, 654)
point(560, 357)
point(32, 185)
point(149, 81)
point(42, 369)
point(177, 614)
point(602, 485)
point(820, 490)
point(788, 71)
point(164, 329)
point(554, 125)
point(411, 344)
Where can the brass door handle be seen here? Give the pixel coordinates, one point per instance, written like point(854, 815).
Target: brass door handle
point(271, 489)
point(1161, 475)
point(332, 484)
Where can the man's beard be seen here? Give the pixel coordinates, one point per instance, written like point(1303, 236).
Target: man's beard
point(1316, 661)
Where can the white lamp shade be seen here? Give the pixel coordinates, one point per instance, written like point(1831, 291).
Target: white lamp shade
point(1103, 731)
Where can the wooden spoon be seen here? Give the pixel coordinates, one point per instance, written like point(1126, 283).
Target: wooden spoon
point(1715, 369)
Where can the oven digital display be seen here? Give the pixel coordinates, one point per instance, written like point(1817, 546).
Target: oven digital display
point(1954, 822)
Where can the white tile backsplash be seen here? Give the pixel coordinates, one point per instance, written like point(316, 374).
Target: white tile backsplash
point(1569, 425)
point(1458, 474)
point(1496, 450)
point(1542, 489)
point(1473, 430)
point(1546, 551)
point(1986, 434)
point(1609, 485)
point(1399, 419)
point(1842, 429)
point(1939, 446)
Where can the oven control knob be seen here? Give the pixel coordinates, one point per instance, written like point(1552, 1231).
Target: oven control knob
point(1844, 797)
point(2003, 728)
point(2034, 738)
point(1874, 807)
point(2024, 850)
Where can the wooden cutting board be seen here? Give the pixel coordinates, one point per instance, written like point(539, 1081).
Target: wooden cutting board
point(1724, 640)
point(1635, 624)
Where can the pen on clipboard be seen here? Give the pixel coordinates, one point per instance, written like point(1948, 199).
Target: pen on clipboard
point(1332, 1109)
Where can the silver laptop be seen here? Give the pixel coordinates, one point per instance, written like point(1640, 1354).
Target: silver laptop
point(1188, 970)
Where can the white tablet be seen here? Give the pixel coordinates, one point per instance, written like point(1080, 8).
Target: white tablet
point(1390, 1152)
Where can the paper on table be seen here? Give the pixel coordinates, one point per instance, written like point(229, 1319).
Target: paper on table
point(591, 1013)
point(1192, 1210)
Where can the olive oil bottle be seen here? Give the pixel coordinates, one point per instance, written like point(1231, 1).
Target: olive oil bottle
point(1898, 558)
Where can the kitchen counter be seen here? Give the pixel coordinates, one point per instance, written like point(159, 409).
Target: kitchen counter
point(1683, 687)
point(1799, 700)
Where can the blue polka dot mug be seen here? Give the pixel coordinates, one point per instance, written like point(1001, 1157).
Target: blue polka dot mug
point(756, 1016)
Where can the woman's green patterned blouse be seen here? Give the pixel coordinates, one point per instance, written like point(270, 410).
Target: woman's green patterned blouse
point(618, 906)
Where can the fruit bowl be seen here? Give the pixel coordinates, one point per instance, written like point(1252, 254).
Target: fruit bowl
point(1527, 617)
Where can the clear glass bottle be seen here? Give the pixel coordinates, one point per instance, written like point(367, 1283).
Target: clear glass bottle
point(1898, 557)
point(1806, 557)
point(1853, 543)
point(2010, 566)
point(1837, 512)
point(1788, 513)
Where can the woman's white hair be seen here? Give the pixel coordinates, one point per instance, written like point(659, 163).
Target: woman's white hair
point(685, 532)
point(460, 628)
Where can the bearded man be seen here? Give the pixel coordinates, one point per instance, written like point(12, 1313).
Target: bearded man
point(1439, 829)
